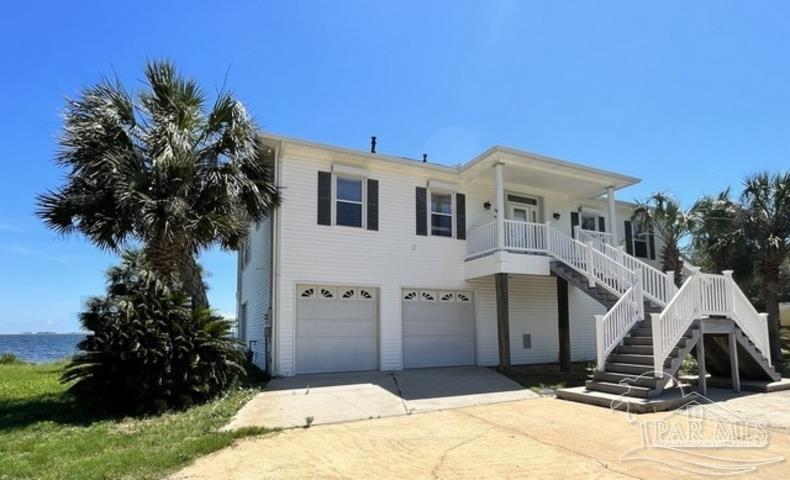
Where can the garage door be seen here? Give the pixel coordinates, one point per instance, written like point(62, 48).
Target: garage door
point(438, 328)
point(336, 329)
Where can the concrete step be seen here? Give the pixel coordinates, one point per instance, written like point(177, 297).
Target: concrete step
point(629, 390)
point(626, 378)
point(628, 368)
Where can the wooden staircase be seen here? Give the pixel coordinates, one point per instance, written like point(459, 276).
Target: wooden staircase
point(629, 368)
point(573, 277)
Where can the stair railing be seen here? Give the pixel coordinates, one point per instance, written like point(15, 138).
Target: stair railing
point(658, 287)
point(705, 294)
point(752, 323)
point(598, 238)
point(590, 262)
point(671, 324)
point(611, 328)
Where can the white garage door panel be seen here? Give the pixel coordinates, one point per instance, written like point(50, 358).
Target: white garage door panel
point(336, 335)
point(438, 334)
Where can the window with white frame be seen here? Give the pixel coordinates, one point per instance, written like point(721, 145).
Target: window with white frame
point(640, 235)
point(349, 201)
point(441, 214)
point(589, 221)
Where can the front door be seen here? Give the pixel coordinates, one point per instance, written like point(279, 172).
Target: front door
point(522, 209)
point(523, 213)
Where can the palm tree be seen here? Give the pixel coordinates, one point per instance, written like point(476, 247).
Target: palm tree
point(718, 234)
point(147, 349)
point(663, 214)
point(160, 169)
point(766, 202)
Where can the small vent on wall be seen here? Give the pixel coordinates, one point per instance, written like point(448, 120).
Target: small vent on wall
point(526, 340)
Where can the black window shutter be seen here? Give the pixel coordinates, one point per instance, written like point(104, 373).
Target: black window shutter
point(651, 243)
point(373, 204)
point(601, 224)
point(574, 223)
point(324, 198)
point(629, 239)
point(460, 216)
point(422, 213)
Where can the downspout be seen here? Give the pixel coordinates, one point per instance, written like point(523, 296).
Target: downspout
point(275, 262)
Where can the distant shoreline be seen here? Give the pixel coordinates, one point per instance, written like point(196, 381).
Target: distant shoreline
point(45, 333)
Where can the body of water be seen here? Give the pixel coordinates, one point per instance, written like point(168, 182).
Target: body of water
point(41, 348)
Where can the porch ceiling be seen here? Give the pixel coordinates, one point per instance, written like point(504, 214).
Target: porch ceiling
point(532, 170)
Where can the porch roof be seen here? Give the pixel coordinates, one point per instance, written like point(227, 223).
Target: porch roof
point(547, 173)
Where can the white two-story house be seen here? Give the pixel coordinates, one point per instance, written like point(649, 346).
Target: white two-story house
point(376, 262)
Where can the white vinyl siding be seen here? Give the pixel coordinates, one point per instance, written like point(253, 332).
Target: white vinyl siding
point(582, 310)
point(256, 282)
point(394, 258)
point(533, 312)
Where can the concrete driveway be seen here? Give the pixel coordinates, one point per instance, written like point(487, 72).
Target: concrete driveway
point(331, 398)
point(540, 438)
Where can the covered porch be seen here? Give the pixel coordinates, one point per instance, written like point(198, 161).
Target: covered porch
point(537, 200)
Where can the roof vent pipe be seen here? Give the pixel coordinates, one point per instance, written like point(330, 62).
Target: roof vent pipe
point(424, 157)
point(373, 144)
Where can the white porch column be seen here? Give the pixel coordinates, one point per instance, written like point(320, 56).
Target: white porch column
point(500, 205)
point(612, 215)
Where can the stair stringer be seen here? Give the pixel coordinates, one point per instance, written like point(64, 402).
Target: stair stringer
point(723, 326)
point(691, 337)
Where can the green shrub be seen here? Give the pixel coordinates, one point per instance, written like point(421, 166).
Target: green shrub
point(9, 359)
point(148, 350)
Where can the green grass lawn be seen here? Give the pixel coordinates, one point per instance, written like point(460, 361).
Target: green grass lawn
point(46, 434)
point(540, 377)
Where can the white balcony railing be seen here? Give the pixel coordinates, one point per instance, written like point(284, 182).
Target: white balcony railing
point(526, 236)
point(481, 240)
point(542, 238)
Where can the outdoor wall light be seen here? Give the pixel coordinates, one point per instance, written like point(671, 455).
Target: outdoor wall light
point(487, 205)
point(556, 215)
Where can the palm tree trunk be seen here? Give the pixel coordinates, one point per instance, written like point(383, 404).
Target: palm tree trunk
point(191, 274)
point(670, 261)
point(177, 266)
point(771, 292)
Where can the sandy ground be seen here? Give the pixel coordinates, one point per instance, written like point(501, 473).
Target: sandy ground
point(541, 438)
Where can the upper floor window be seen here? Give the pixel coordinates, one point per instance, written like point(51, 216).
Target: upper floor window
point(589, 221)
point(349, 202)
point(441, 214)
point(640, 234)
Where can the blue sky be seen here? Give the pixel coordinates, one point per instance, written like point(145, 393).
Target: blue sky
point(688, 96)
